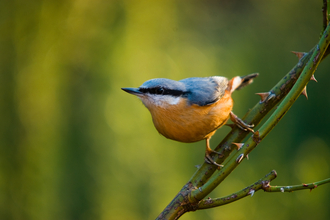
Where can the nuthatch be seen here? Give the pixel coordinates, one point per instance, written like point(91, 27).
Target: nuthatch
point(192, 109)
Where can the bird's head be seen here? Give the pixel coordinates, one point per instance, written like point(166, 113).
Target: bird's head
point(160, 92)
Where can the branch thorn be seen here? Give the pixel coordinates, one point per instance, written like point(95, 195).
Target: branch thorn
point(299, 54)
point(313, 78)
point(304, 92)
point(314, 186)
point(239, 145)
point(265, 96)
point(251, 192)
point(239, 158)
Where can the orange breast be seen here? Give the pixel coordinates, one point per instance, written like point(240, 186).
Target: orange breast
point(191, 123)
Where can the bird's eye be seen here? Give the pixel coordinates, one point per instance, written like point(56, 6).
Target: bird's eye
point(159, 90)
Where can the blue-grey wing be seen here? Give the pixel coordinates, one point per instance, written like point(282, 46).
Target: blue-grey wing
point(205, 90)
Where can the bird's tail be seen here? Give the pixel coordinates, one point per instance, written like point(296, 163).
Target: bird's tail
point(239, 82)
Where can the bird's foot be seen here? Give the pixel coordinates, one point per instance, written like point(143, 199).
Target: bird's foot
point(240, 123)
point(208, 159)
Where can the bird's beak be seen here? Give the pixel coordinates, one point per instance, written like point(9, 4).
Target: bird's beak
point(133, 91)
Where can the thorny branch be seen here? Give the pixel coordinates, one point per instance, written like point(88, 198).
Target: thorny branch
point(325, 14)
point(263, 184)
point(207, 177)
point(269, 100)
point(234, 159)
point(310, 186)
point(250, 190)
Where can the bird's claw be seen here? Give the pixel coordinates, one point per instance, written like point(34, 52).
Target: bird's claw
point(209, 160)
point(240, 123)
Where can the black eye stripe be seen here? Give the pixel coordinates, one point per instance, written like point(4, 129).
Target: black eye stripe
point(162, 91)
point(174, 92)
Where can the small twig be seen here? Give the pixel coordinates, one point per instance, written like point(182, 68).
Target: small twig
point(260, 184)
point(296, 187)
point(325, 14)
point(248, 191)
point(328, 9)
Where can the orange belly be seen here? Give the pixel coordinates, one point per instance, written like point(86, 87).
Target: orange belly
point(192, 123)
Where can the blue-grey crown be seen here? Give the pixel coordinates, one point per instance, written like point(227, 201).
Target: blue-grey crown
point(162, 86)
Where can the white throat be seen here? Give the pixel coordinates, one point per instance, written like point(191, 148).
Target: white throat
point(150, 100)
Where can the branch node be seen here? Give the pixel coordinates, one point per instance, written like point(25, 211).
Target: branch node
point(314, 186)
point(256, 137)
point(265, 185)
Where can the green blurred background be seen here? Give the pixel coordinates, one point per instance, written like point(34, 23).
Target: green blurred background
point(73, 145)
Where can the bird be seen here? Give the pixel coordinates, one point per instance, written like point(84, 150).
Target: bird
point(192, 109)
